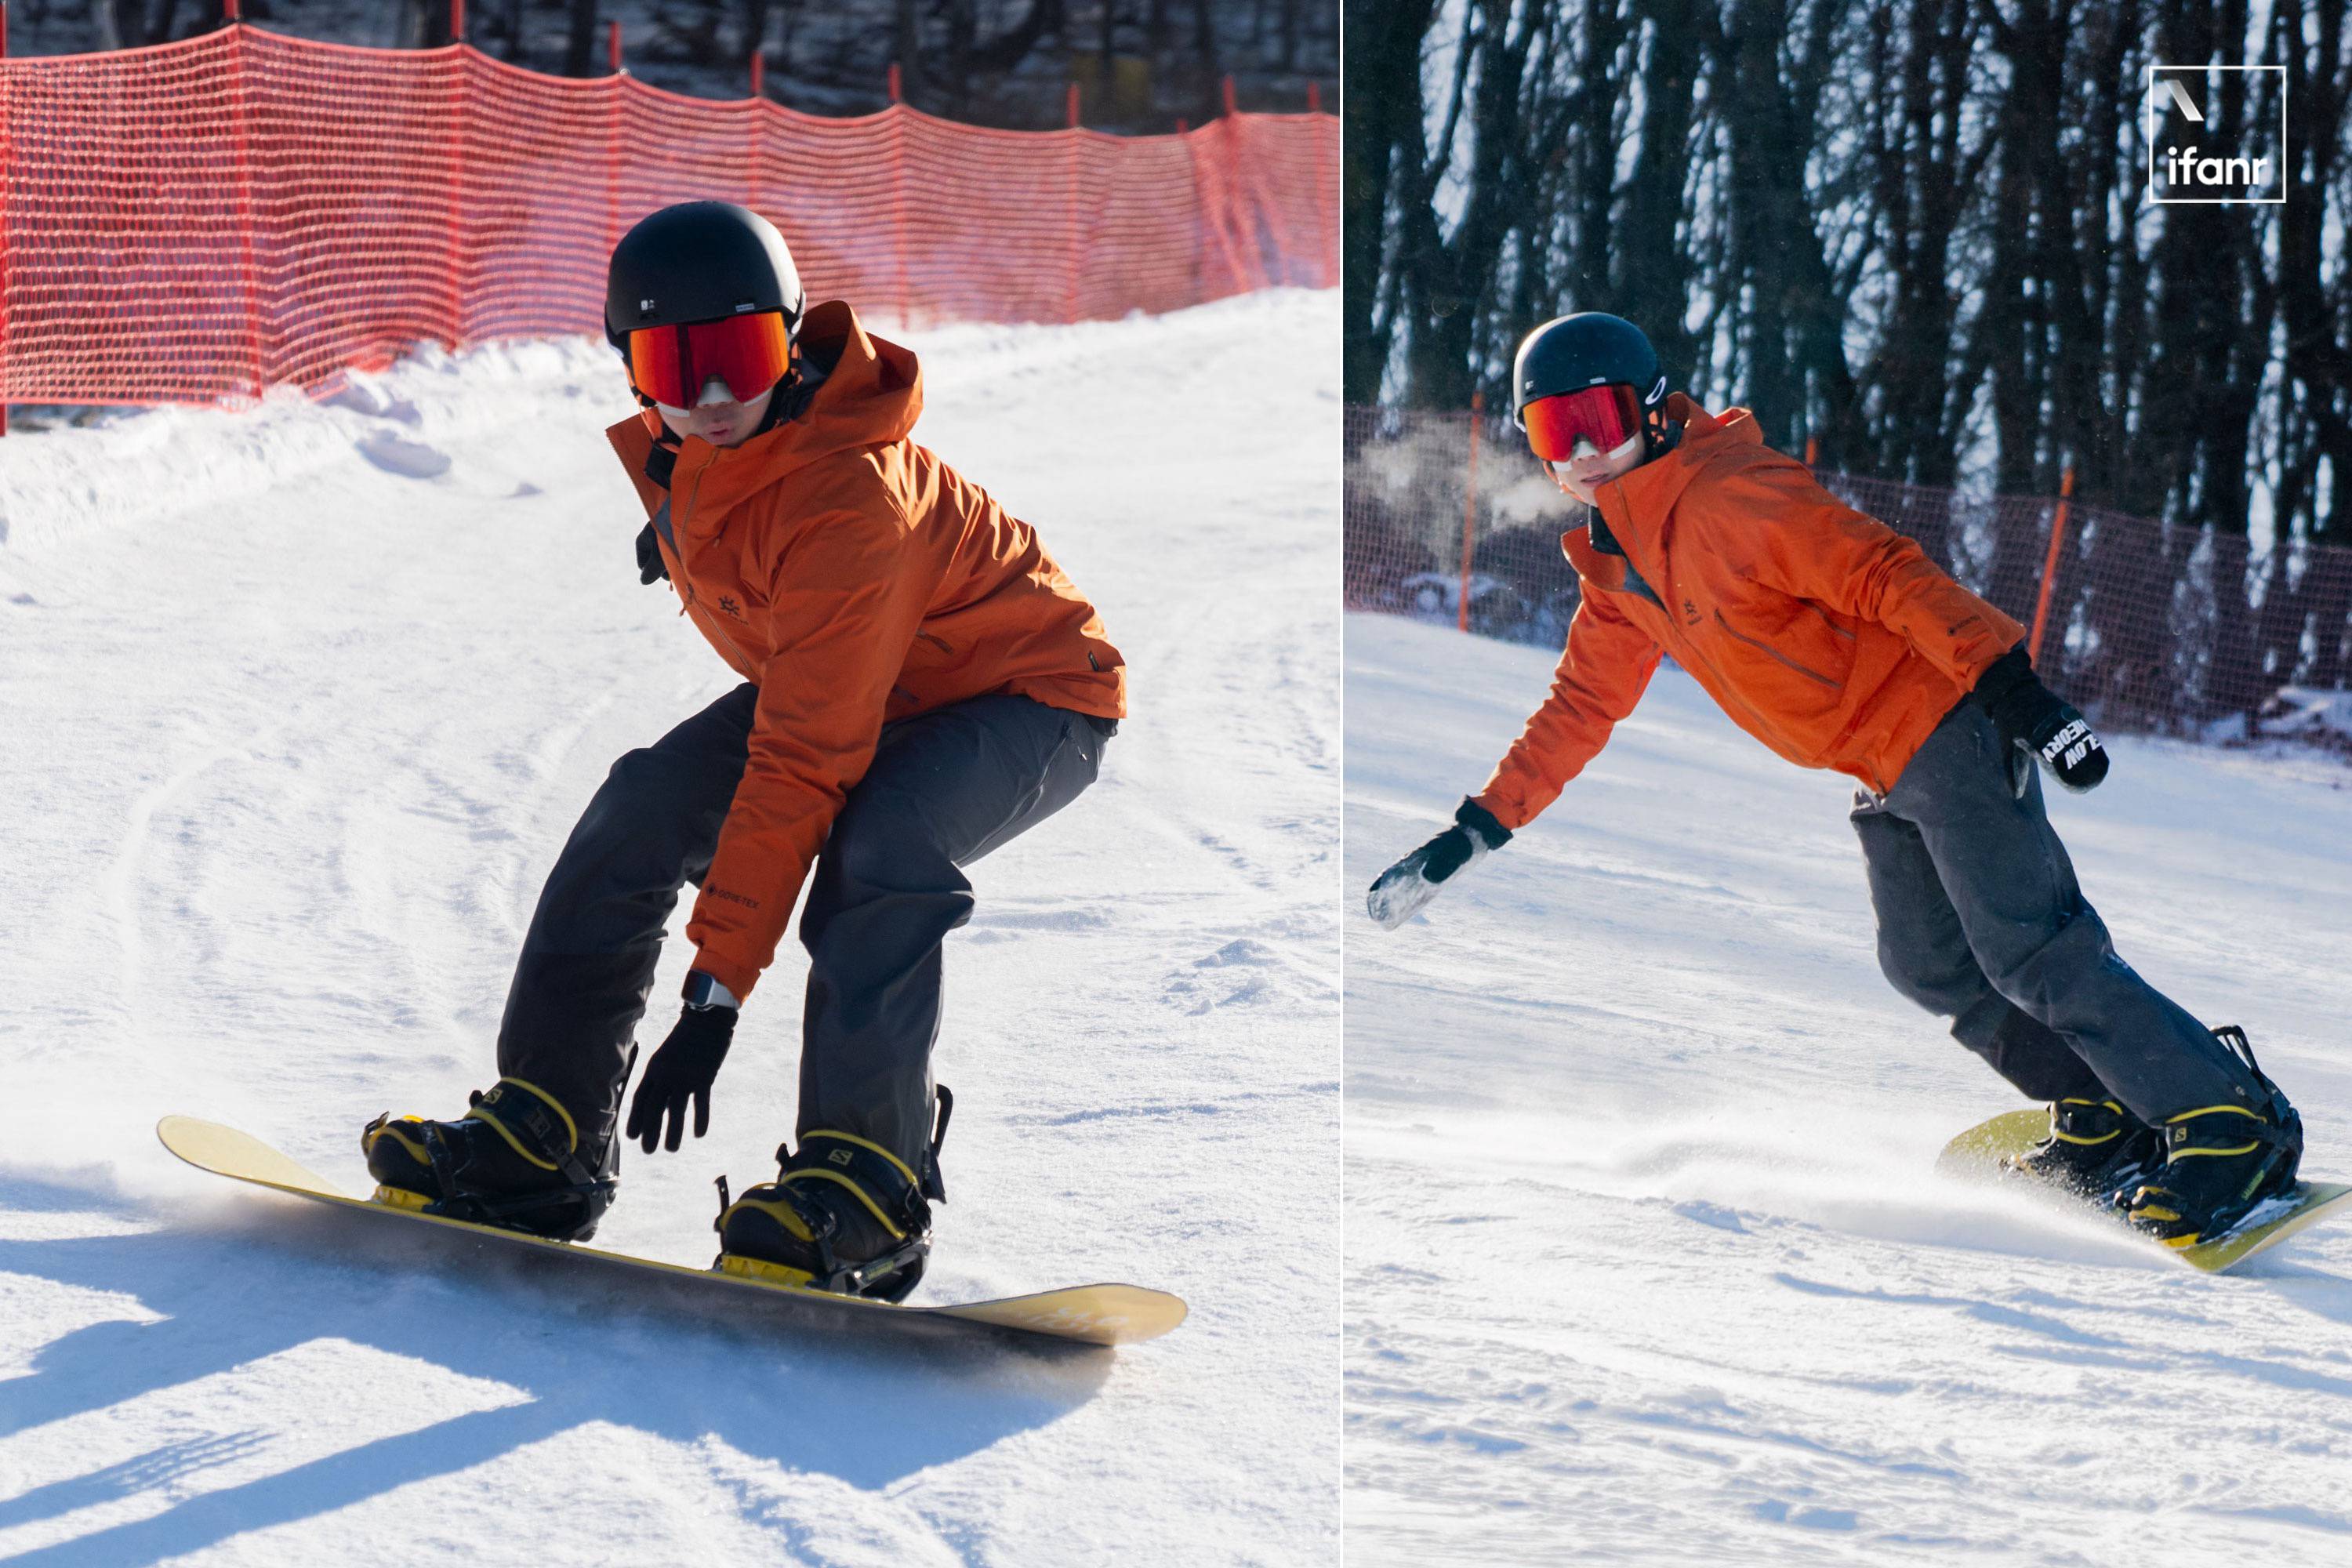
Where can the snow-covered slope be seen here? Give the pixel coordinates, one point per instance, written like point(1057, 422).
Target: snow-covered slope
point(1646, 1260)
point(299, 706)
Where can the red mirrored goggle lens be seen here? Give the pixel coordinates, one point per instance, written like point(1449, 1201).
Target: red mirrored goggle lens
point(747, 354)
point(1607, 416)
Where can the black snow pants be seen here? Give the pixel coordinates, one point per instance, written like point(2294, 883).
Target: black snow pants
point(945, 788)
point(1979, 920)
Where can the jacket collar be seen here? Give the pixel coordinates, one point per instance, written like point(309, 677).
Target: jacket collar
point(1637, 505)
point(870, 397)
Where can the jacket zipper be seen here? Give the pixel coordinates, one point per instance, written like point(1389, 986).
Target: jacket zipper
point(1825, 615)
point(691, 496)
point(1675, 628)
point(1721, 679)
point(1775, 653)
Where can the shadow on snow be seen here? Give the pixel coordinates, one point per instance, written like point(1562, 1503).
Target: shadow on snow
point(867, 1403)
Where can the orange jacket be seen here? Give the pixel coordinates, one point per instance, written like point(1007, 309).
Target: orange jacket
point(1821, 632)
point(856, 578)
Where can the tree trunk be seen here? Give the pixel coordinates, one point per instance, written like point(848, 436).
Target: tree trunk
point(580, 40)
point(914, 79)
point(755, 28)
point(1380, 111)
point(1651, 276)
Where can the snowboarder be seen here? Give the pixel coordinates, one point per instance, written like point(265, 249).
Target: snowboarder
point(921, 683)
point(1834, 641)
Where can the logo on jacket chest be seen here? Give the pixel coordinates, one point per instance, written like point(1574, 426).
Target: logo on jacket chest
point(1690, 612)
point(726, 602)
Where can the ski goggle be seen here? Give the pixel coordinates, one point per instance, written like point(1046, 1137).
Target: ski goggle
point(746, 355)
point(1608, 416)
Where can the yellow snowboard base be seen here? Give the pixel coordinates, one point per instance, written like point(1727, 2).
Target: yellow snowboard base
point(1089, 1314)
point(1977, 1154)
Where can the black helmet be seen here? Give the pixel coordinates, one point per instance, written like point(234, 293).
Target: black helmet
point(699, 261)
point(1593, 347)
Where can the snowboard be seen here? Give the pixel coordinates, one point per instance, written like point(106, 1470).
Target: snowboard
point(1978, 1152)
point(1089, 1314)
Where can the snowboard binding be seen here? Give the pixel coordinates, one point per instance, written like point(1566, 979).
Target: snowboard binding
point(843, 1216)
point(2096, 1147)
point(513, 1160)
point(2221, 1163)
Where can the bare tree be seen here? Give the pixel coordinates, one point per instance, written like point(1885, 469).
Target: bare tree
point(1920, 233)
point(580, 41)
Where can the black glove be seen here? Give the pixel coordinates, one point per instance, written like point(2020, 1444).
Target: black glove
point(2034, 722)
point(1412, 881)
point(651, 568)
point(681, 1070)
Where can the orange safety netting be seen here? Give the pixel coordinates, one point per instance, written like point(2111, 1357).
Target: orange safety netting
point(243, 209)
point(2143, 624)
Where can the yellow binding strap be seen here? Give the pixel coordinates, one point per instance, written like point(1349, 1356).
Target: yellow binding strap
point(851, 1138)
point(760, 1268)
point(781, 1212)
point(478, 1114)
point(871, 1207)
point(416, 1151)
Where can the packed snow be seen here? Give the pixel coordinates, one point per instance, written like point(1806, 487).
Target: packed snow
point(1646, 1260)
point(303, 701)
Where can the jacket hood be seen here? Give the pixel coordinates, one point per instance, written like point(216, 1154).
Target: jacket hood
point(871, 395)
point(1651, 490)
point(1635, 506)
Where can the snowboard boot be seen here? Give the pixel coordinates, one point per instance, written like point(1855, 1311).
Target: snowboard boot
point(515, 1159)
point(2220, 1162)
point(2096, 1147)
point(843, 1214)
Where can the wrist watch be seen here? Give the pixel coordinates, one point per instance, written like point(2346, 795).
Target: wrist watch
point(703, 993)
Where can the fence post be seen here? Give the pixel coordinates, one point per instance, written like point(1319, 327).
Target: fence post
point(613, 46)
point(1070, 292)
point(897, 93)
point(759, 74)
point(1228, 95)
point(1314, 98)
point(612, 167)
point(751, 112)
point(2050, 563)
point(229, 12)
point(1326, 218)
point(1812, 450)
point(239, 110)
point(897, 114)
point(1470, 504)
point(454, 226)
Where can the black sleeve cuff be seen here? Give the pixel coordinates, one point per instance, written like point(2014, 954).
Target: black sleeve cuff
point(2004, 675)
point(1480, 824)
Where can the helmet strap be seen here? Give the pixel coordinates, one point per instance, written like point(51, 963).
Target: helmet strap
point(1660, 435)
point(786, 400)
